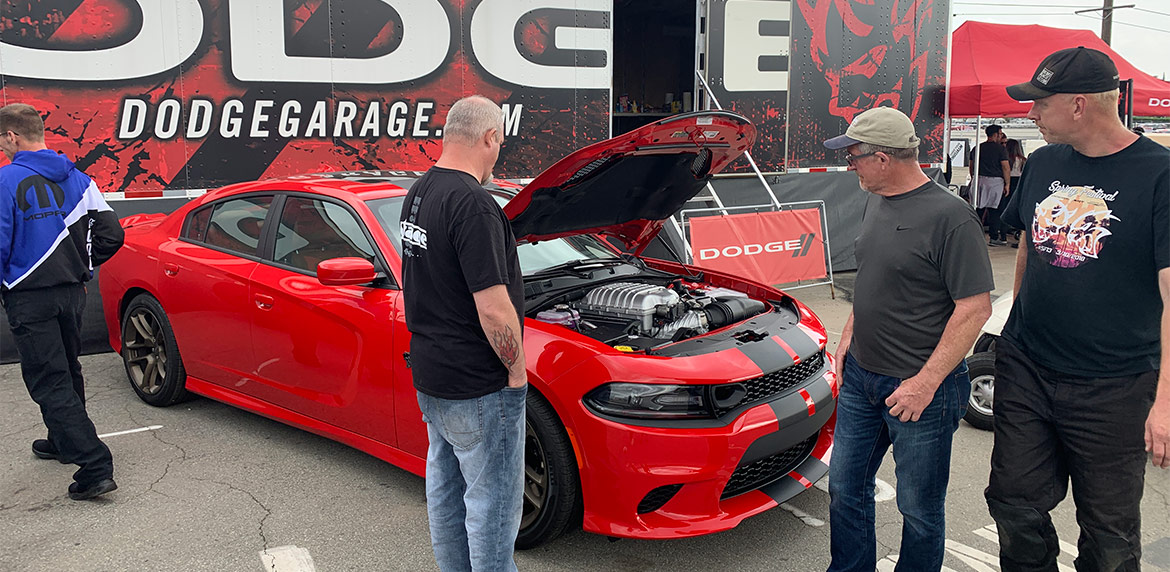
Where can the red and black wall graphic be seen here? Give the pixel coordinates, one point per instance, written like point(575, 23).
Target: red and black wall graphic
point(851, 55)
point(192, 94)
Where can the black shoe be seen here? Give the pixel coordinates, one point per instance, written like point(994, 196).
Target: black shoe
point(44, 449)
point(1015, 245)
point(77, 492)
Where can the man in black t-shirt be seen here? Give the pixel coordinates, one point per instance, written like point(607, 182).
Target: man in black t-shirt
point(464, 296)
point(1078, 394)
point(994, 176)
point(921, 294)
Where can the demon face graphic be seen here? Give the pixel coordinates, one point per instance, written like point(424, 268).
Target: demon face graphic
point(861, 47)
point(853, 55)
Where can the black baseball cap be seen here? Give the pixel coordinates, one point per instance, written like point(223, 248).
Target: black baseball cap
point(1072, 70)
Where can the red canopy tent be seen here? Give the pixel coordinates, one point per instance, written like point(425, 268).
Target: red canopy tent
point(986, 58)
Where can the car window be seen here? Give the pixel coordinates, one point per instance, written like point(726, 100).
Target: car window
point(196, 228)
point(533, 257)
point(235, 224)
point(313, 230)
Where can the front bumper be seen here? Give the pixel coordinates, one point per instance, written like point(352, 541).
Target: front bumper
point(719, 472)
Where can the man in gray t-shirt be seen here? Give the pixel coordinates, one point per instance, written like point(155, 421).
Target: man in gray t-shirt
point(921, 295)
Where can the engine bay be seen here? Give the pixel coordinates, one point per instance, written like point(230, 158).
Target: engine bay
point(637, 316)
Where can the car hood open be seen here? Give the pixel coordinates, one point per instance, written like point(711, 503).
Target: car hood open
point(627, 186)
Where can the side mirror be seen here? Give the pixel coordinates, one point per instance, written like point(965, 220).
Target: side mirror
point(346, 272)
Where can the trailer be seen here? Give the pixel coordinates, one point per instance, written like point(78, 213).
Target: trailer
point(159, 100)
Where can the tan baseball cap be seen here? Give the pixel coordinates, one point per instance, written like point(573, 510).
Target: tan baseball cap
point(884, 126)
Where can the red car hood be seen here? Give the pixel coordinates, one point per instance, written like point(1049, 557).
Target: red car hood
point(627, 186)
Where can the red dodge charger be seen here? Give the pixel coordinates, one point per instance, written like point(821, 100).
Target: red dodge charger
point(666, 400)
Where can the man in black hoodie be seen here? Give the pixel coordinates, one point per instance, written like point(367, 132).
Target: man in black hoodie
point(55, 226)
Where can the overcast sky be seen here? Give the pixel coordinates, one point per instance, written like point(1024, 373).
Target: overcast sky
point(1146, 46)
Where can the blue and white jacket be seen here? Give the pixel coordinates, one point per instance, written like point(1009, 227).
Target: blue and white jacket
point(55, 226)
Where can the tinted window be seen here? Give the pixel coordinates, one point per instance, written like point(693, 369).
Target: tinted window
point(196, 228)
point(533, 257)
point(235, 224)
point(311, 231)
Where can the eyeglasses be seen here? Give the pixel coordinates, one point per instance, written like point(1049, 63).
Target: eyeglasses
point(852, 159)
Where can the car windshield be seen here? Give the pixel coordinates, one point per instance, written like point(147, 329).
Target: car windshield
point(533, 257)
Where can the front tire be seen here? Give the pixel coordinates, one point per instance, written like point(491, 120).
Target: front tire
point(552, 487)
point(980, 404)
point(150, 353)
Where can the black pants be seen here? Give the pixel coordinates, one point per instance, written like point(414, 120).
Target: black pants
point(46, 323)
point(1050, 428)
point(991, 220)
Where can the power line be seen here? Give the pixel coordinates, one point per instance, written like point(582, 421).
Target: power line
point(1128, 24)
point(1011, 13)
point(1152, 11)
point(1028, 5)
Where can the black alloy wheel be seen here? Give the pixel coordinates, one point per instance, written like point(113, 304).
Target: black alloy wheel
point(552, 486)
point(150, 353)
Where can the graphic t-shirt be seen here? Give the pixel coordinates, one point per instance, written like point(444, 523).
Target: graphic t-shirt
point(917, 253)
point(1099, 230)
point(455, 241)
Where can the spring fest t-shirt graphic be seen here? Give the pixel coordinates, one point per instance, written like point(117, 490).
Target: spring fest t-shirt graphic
point(1069, 227)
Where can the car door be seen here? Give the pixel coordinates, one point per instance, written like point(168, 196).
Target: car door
point(321, 351)
point(411, 431)
point(204, 288)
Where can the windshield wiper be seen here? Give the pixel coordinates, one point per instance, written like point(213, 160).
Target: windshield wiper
point(579, 266)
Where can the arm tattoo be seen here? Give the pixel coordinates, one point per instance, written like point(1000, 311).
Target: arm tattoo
point(506, 346)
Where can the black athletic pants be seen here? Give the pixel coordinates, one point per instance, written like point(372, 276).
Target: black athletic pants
point(1050, 428)
point(46, 323)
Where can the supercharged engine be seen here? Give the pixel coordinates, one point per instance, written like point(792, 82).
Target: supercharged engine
point(624, 311)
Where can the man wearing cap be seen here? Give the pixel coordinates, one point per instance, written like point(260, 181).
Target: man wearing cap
point(920, 297)
point(1078, 393)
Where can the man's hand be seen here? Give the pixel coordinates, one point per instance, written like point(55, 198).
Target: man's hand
point(839, 365)
point(1007, 189)
point(911, 398)
point(1158, 433)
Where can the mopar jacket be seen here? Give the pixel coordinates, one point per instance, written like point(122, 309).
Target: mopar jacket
point(55, 226)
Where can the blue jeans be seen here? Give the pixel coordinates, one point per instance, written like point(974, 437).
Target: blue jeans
point(475, 478)
point(922, 458)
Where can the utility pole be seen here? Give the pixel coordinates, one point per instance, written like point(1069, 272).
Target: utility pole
point(1107, 22)
point(1106, 18)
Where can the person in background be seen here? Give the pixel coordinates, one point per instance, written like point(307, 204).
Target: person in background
point(921, 295)
point(994, 177)
point(1082, 388)
point(1017, 159)
point(55, 226)
point(464, 296)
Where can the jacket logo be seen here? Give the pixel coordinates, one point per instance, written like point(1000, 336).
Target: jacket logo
point(47, 193)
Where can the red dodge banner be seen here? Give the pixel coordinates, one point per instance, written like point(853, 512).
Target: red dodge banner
point(772, 247)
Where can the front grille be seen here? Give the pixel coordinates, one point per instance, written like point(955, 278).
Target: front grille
point(657, 497)
point(781, 380)
point(765, 471)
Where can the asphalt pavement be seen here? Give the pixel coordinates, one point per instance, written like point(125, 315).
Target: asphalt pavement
point(203, 486)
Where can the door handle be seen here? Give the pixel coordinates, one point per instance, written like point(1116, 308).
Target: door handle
point(170, 268)
point(263, 301)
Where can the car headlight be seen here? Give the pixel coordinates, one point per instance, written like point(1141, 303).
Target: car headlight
point(665, 401)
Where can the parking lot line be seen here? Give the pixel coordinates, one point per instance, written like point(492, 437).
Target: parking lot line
point(129, 431)
point(291, 558)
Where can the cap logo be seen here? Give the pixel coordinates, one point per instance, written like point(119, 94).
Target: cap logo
point(1044, 75)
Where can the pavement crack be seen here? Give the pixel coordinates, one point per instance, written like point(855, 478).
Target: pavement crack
point(267, 511)
point(19, 431)
point(182, 457)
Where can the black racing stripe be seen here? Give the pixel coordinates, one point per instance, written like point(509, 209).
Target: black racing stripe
point(800, 343)
point(767, 354)
point(786, 488)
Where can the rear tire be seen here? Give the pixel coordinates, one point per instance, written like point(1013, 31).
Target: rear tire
point(552, 487)
point(150, 353)
point(981, 403)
